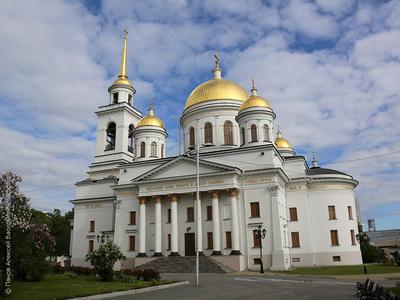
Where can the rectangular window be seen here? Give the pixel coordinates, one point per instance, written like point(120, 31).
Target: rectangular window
point(255, 209)
point(115, 98)
point(353, 237)
point(91, 245)
point(350, 210)
point(129, 99)
point(190, 214)
point(91, 228)
point(334, 238)
point(336, 258)
point(132, 218)
point(209, 213)
point(295, 240)
point(256, 239)
point(169, 241)
point(210, 240)
point(228, 240)
point(295, 259)
point(256, 261)
point(332, 212)
point(169, 216)
point(132, 243)
point(293, 214)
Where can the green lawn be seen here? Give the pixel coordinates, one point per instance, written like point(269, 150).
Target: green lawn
point(344, 270)
point(55, 286)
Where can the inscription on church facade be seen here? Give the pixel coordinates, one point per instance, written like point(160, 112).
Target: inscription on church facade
point(182, 184)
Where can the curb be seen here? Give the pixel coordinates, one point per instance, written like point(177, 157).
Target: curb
point(131, 292)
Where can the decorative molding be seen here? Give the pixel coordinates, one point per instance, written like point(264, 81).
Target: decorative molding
point(142, 200)
point(157, 199)
point(173, 197)
point(214, 194)
point(233, 192)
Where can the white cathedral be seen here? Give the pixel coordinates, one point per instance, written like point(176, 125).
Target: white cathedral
point(145, 201)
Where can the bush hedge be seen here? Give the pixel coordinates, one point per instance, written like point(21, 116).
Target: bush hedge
point(143, 274)
point(75, 269)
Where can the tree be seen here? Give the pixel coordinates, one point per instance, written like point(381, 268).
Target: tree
point(15, 216)
point(369, 252)
point(104, 258)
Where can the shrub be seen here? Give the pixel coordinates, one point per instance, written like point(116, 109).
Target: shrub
point(121, 276)
point(104, 258)
point(33, 269)
point(69, 275)
point(76, 269)
point(146, 274)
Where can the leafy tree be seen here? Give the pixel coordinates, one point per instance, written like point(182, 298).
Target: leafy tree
point(104, 258)
point(369, 252)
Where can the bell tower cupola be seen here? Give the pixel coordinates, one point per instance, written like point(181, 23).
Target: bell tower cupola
point(122, 89)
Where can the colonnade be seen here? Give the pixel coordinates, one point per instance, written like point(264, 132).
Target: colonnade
point(173, 201)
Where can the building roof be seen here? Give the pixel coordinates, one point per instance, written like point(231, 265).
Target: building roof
point(323, 171)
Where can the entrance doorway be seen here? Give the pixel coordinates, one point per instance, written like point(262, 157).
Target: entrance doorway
point(189, 244)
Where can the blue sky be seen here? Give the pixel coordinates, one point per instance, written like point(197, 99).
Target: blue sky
point(330, 68)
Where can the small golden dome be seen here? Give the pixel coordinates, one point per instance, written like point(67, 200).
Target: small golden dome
point(123, 81)
point(255, 101)
point(281, 142)
point(150, 119)
point(216, 89)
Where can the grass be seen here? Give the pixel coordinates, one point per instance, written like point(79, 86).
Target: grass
point(343, 270)
point(394, 290)
point(55, 286)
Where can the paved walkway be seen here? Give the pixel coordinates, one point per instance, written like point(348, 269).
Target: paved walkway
point(238, 286)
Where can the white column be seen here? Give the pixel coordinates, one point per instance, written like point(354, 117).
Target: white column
point(215, 219)
point(234, 222)
point(142, 226)
point(174, 225)
point(157, 242)
point(199, 223)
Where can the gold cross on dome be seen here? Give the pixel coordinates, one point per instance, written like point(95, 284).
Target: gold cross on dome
point(216, 58)
point(125, 33)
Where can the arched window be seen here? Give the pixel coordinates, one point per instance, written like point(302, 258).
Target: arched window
point(266, 133)
point(162, 150)
point(153, 152)
point(110, 137)
point(142, 149)
point(130, 138)
point(242, 136)
point(228, 133)
point(191, 137)
point(208, 134)
point(253, 133)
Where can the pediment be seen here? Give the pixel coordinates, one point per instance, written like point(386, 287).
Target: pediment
point(183, 166)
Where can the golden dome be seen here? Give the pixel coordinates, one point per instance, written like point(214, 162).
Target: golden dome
point(255, 101)
point(216, 89)
point(150, 119)
point(122, 81)
point(281, 142)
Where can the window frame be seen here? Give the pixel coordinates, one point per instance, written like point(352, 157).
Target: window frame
point(255, 210)
point(228, 240)
point(293, 209)
point(132, 243)
point(295, 237)
point(253, 135)
point(132, 217)
point(333, 211)
point(228, 133)
point(208, 133)
point(334, 237)
point(191, 214)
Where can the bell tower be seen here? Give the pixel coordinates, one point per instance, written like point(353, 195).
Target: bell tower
point(117, 119)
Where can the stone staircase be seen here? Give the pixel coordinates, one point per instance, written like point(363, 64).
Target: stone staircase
point(183, 264)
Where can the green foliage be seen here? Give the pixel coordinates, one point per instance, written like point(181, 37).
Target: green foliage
point(104, 258)
point(370, 253)
point(143, 274)
point(76, 269)
point(33, 268)
point(59, 226)
point(69, 275)
point(120, 276)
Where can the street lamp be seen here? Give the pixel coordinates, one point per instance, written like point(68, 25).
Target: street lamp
point(261, 235)
point(360, 237)
point(102, 238)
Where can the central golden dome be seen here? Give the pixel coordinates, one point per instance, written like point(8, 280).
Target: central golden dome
point(216, 89)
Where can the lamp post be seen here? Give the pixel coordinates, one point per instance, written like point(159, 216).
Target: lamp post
point(361, 237)
point(102, 238)
point(261, 235)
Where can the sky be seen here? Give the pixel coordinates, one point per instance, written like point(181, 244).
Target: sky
point(330, 69)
